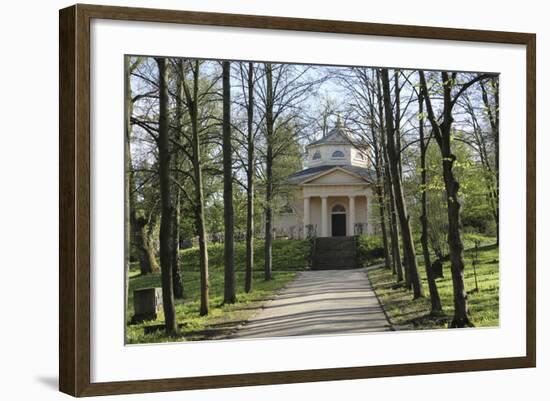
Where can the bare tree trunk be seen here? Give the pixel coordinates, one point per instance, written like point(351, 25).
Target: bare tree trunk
point(250, 175)
point(129, 168)
point(229, 296)
point(380, 195)
point(166, 207)
point(494, 120)
point(381, 208)
point(397, 90)
point(456, 247)
point(192, 100)
point(199, 194)
point(142, 232)
point(176, 273)
point(269, 175)
point(434, 293)
point(406, 234)
point(397, 136)
point(397, 266)
point(380, 188)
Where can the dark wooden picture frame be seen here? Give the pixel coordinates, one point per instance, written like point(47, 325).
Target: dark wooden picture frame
point(74, 204)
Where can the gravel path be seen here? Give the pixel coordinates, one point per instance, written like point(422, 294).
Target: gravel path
point(320, 302)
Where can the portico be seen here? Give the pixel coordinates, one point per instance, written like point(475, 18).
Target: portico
point(336, 216)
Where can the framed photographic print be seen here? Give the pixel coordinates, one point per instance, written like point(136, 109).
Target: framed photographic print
point(250, 200)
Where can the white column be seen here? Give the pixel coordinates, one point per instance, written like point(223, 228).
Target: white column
point(351, 225)
point(306, 215)
point(324, 217)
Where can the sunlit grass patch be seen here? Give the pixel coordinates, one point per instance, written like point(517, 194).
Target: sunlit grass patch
point(221, 319)
point(484, 304)
point(287, 255)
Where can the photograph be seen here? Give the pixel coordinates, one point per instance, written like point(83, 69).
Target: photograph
point(266, 199)
point(280, 200)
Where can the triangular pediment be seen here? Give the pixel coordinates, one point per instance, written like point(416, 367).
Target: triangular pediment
point(335, 176)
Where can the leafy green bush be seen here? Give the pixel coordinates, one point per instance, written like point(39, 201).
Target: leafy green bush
point(370, 249)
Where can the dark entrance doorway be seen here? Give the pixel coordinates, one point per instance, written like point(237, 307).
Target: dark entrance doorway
point(338, 225)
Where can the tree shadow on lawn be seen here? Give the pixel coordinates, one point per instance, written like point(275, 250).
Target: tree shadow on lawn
point(427, 321)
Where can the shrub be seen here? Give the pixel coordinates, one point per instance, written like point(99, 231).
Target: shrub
point(370, 249)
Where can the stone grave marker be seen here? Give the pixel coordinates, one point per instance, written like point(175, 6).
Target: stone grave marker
point(147, 304)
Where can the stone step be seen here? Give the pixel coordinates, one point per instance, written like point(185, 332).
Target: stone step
point(333, 249)
point(324, 248)
point(339, 254)
point(334, 253)
point(338, 263)
point(335, 240)
point(335, 267)
point(346, 262)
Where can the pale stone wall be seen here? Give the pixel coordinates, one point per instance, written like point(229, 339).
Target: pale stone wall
point(327, 150)
point(359, 158)
point(291, 224)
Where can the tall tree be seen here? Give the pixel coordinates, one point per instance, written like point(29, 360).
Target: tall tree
point(250, 178)
point(229, 295)
point(176, 271)
point(441, 130)
point(282, 95)
point(360, 83)
point(491, 101)
point(142, 175)
point(397, 266)
point(138, 224)
point(270, 123)
point(397, 136)
point(128, 168)
point(192, 106)
point(432, 286)
point(380, 190)
point(406, 233)
point(166, 206)
point(397, 90)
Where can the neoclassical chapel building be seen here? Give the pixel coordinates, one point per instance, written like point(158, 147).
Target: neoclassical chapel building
point(333, 195)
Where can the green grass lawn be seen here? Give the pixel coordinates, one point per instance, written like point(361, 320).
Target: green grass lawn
point(289, 256)
point(221, 319)
point(484, 305)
